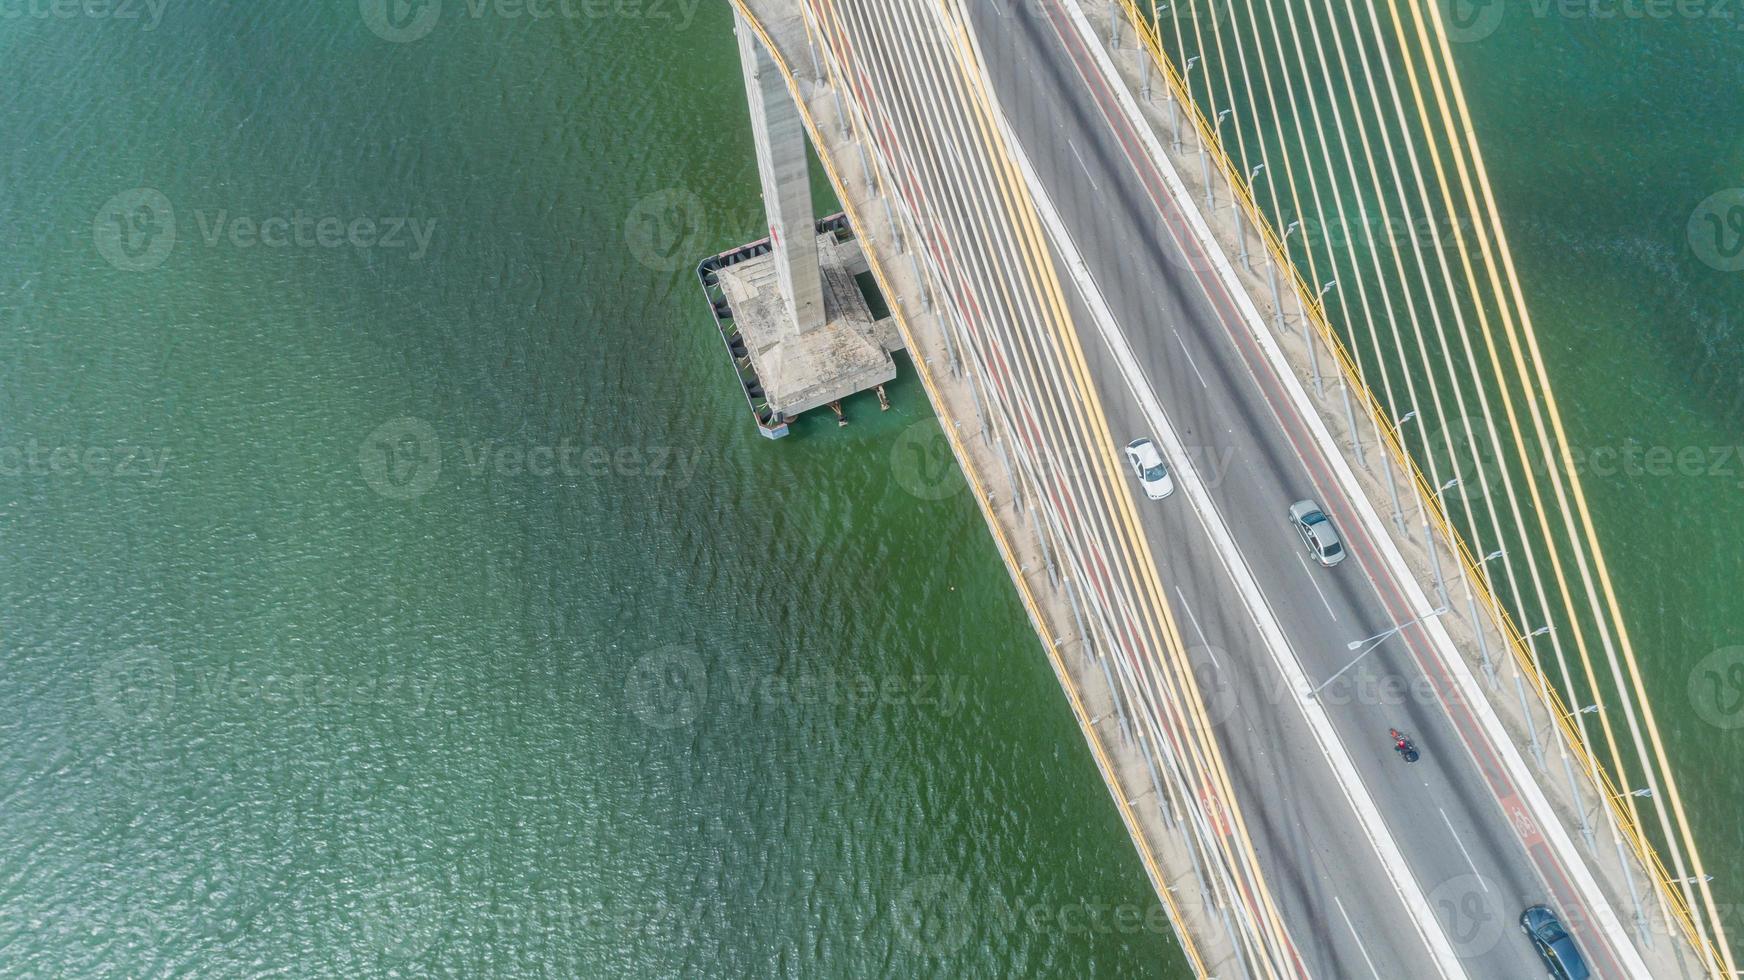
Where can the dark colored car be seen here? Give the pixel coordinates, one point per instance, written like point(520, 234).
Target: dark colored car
point(1553, 943)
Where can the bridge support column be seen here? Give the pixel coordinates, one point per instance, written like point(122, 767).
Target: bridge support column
point(791, 308)
point(780, 137)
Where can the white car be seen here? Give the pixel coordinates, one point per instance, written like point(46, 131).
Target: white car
point(1147, 465)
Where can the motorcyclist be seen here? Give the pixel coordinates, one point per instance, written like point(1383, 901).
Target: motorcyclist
point(1403, 746)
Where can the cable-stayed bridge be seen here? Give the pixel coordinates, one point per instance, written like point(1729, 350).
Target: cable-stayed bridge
point(1261, 234)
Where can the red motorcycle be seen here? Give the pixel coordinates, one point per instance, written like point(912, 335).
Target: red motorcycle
point(1402, 745)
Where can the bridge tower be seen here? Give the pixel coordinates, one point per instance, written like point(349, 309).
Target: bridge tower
point(790, 307)
point(779, 134)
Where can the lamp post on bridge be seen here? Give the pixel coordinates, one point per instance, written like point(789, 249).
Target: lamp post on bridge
point(1471, 605)
point(1205, 160)
point(1240, 232)
point(1429, 538)
point(1272, 279)
point(1175, 105)
point(1278, 312)
point(1370, 644)
point(1392, 485)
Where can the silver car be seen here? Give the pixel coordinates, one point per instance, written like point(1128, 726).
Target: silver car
point(1317, 532)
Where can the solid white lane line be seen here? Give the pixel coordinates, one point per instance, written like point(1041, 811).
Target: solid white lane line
point(1358, 937)
point(1195, 621)
point(1604, 916)
point(1369, 820)
point(1139, 690)
point(1190, 362)
point(1468, 858)
point(1081, 166)
point(1310, 573)
point(1141, 687)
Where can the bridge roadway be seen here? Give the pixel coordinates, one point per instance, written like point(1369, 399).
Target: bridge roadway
point(1455, 813)
point(1468, 867)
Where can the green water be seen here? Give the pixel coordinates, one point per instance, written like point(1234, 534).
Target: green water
point(1606, 155)
point(381, 604)
point(465, 626)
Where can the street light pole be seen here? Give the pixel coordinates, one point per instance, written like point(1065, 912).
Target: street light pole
point(1429, 539)
point(1392, 485)
point(1174, 104)
point(1241, 232)
point(1369, 645)
point(1205, 161)
point(1272, 280)
point(1471, 605)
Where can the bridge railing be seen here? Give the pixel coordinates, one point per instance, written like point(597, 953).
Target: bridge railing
point(1674, 900)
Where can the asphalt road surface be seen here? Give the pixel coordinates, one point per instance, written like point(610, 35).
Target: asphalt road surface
point(1455, 815)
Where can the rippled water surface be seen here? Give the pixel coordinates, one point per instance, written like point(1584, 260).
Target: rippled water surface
point(393, 583)
point(421, 600)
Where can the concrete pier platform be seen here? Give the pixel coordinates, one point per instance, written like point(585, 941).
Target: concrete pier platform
point(785, 372)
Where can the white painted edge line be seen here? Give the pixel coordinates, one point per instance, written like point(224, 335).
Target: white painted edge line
point(1338, 758)
point(1603, 915)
